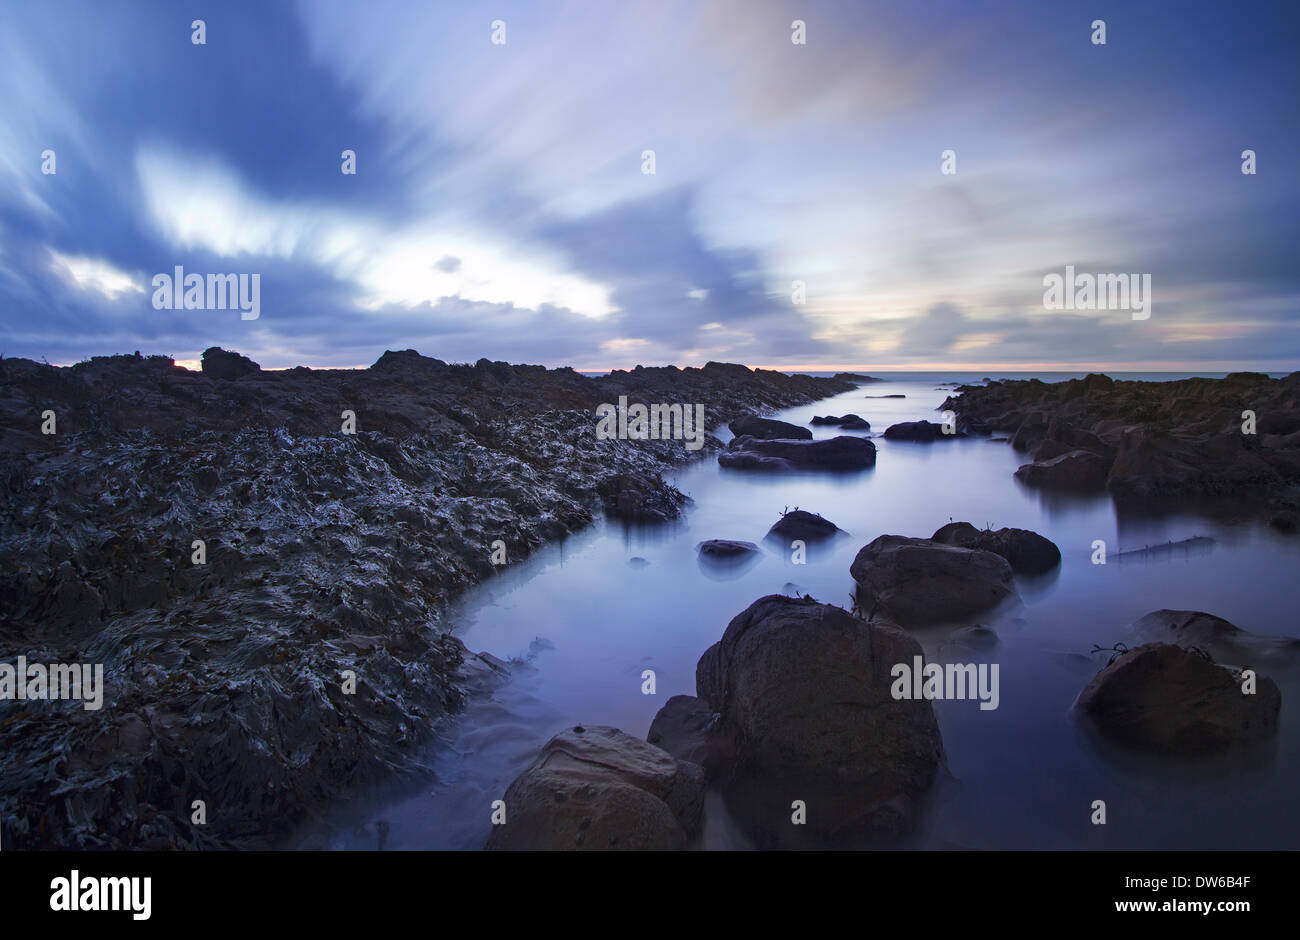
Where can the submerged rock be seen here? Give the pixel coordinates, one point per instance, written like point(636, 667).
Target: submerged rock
point(801, 524)
point(919, 582)
point(1171, 700)
point(805, 689)
point(726, 549)
point(596, 788)
point(1027, 552)
point(768, 429)
point(1193, 628)
point(849, 422)
point(918, 431)
point(836, 453)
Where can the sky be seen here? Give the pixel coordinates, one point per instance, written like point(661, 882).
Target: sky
point(501, 206)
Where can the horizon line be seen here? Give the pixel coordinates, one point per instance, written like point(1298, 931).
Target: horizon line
point(1219, 365)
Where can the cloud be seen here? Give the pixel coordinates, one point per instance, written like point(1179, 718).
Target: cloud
point(499, 208)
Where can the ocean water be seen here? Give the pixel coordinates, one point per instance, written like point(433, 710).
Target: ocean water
point(584, 618)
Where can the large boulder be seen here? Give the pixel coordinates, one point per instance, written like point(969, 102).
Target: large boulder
point(803, 525)
point(919, 582)
point(1027, 552)
point(220, 364)
point(1076, 470)
point(836, 453)
point(687, 728)
point(805, 688)
point(918, 431)
point(768, 429)
point(597, 788)
point(1164, 698)
point(1193, 628)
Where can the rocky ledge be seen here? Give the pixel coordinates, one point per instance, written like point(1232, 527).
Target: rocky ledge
point(266, 591)
point(1155, 442)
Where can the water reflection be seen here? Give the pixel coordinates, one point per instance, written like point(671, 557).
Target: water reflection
point(618, 599)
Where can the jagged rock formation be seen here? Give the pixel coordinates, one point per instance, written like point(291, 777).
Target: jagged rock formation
point(324, 552)
point(1166, 442)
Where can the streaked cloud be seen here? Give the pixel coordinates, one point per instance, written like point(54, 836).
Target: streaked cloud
point(499, 208)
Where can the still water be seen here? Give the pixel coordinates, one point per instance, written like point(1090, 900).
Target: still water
point(584, 619)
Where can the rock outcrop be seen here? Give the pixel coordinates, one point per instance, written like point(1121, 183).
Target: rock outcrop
point(849, 422)
point(325, 552)
point(1027, 552)
point(726, 549)
point(766, 429)
point(836, 453)
point(1076, 470)
point(596, 788)
point(804, 690)
point(1167, 699)
point(923, 431)
point(919, 582)
point(803, 525)
point(1154, 442)
point(220, 364)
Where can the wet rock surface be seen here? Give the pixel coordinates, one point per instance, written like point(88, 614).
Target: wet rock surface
point(804, 525)
point(1226, 641)
point(1027, 552)
point(1153, 441)
point(922, 431)
point(1172, 700)
point(640, 497)
point(690, 730)
point(918, 582)
point(804, 690)
point(849, 422)
point(836, 453)
point(1076, 470)
point(768, 429)
point(325, 553)
point(726, 549)
point(596, 788)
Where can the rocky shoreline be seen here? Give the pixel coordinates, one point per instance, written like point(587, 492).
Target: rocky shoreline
point(1157, 444)
point(327, 557)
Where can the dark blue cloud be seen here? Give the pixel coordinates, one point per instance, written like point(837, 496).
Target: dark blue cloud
point(1127, 153)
